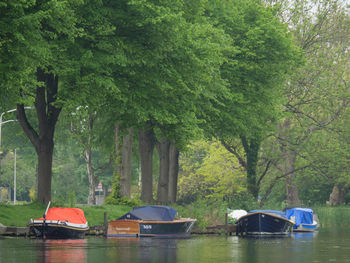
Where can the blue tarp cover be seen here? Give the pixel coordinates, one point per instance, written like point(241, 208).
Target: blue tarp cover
point(151, 213)
point(275, 212)
point(302, 215)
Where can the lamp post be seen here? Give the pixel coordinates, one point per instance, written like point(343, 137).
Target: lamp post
point(14, 179)
point(2, 114)
point(15, 161)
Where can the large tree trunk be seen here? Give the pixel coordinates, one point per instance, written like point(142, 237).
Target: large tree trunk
point(146, 148)
point(173, 172)
point(45, 171)
point(251, 148)
point(47, 114)
point(288, 166)
point(163, 182)
point(125, 177)
point(337, 197)
point(291, 188)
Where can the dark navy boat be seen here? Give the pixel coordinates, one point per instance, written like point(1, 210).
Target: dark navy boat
point(150, 221)
point(264, 223)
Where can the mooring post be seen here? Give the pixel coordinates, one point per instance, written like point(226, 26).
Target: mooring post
point(105, 223)
point(226, 223)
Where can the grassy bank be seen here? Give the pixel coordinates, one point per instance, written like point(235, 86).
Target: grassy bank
point(19, 215)
point(333, 216)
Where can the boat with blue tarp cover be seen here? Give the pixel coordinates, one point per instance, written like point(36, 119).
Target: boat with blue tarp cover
point(150, 221)
point(264, 223)
point(304, 218)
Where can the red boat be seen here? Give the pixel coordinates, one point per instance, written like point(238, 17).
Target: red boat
point(60, 222)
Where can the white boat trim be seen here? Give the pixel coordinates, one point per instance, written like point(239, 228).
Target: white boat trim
point(59, 223)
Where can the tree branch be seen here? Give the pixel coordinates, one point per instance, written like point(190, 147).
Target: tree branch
point(275, 180)
point(104, 167)
point(27, 128)
point(264, 173)
point(232, 150)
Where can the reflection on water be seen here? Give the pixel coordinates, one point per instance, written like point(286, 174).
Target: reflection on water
point(327, 245)
point(142, 249)
point(61, 250)
point(305, 236)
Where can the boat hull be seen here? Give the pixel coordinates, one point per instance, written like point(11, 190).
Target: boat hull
point(264, 224)
point(57, 231)
point(140, 228)
point(306, 228)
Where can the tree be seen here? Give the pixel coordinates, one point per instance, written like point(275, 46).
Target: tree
point(83, 127)
point(170, 61)
point(262, 52)
point(54, 51)
point(315, 93)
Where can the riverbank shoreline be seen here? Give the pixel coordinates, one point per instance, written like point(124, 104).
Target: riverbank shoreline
point(210, 218)
point(101, 231)
point(24, 231)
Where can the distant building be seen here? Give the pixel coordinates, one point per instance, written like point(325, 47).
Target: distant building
point(100, 194)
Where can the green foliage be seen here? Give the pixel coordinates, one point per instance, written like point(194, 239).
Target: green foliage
point(243, 200)
point(32, 194)
point(190, 68)
point(114, 197)
point(207, 212)
point(69, 174)
point(262, 52)
point(200, 164)
point(25, 170)
point(312, 130)
point(72, 200)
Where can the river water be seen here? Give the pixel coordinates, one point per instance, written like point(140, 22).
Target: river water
point(326, 245)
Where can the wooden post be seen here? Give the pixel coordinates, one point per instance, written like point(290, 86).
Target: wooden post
point(105, 223)
point(226, 224)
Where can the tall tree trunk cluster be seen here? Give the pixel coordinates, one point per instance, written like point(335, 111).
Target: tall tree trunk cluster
point(168, 170)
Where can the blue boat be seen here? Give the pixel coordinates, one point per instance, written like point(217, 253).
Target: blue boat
point(304, 218)
point(264, 223)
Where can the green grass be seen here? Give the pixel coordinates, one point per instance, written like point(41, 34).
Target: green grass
point(333, 216)
point(19, 215)
point(206, 213)
point(95, 214)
